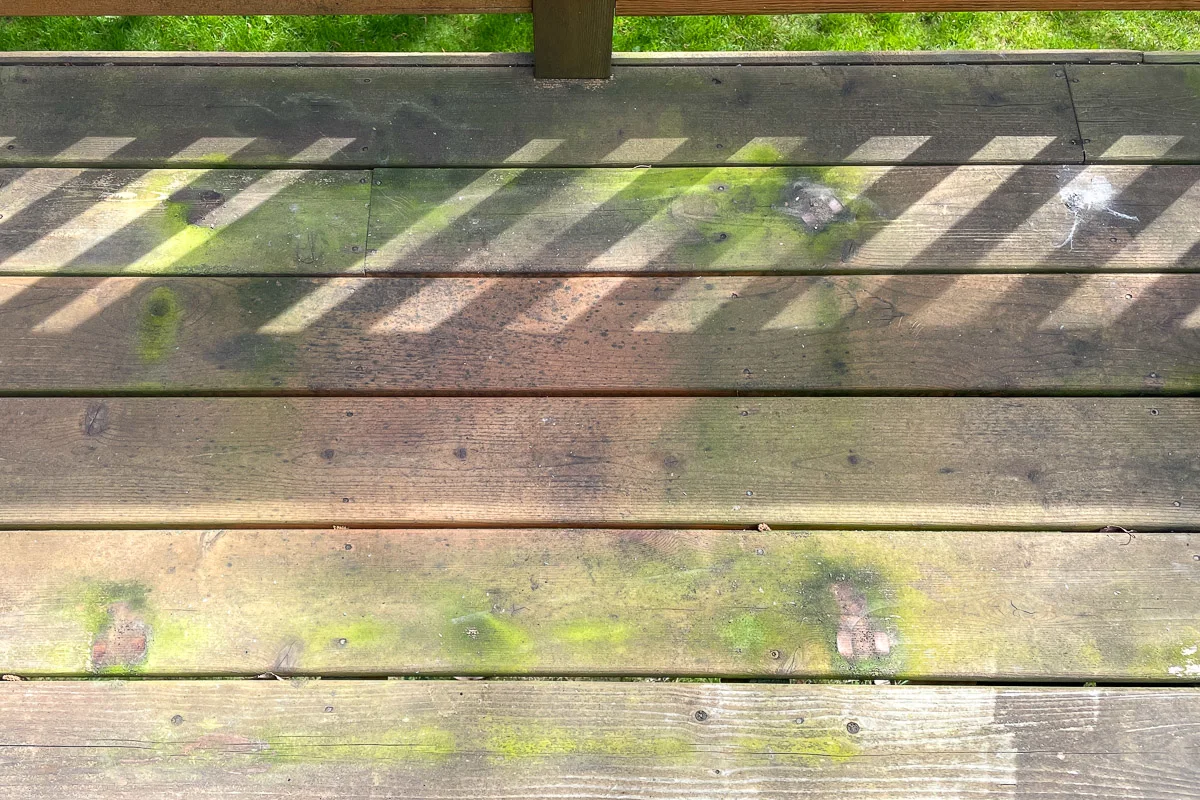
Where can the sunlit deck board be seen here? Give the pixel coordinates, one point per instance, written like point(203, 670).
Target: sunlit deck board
point(487, 116)
point(436, 740)
point(1027, 606)
point(972, 218)
point(968, 218)
point(1052, 334)
point(911, 462)
point(176, 221)
point(1146, 113)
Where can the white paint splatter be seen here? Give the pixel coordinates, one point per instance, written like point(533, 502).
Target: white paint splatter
point(1189, 651)
point(1084, 195)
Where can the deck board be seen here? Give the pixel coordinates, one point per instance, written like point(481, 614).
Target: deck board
point(488, 116)
point(972, 218)
point(912, 462)
point(1109, 606)
point(534, 740)
point(1147, 113)
point(1051, 334)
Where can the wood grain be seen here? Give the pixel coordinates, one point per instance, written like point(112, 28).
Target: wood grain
point(1073, 334)
point(1173, 57)
point(183, 221)
point(736, 218)
point(479, 116)
point(658, 462)
point(756, 57)
point(443, 739)
point(573, 38)
point(1148, 114)
point(927, 605)
point(729, 219)
point(797, 57)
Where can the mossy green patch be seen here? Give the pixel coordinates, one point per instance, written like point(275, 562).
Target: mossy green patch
point(593, 632)
point(158, 325)
point(171, 639)
point(1176, 656)
point(545, 741)
point(765, 217)
point(90, 602)
point(230, 221)
point(357, 637)
point(745, 635)
point(489, 639)
point(812, 747)
point(1181, 383)
point(757, 151)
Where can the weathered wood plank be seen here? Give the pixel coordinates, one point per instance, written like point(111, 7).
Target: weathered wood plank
point(725, 219)
point(780, 58)
point(917, 462)
point(661, 59)
point(1147, 113)
point(182, 221)
point(225, 58)
point(93, 8)
point(929, 605)
point(779, 219)
point(1173, 57)
point(540, 739)
point(489, 116)
point(573, 38)
point(1071, 334)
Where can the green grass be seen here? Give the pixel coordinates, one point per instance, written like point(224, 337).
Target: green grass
point(1141, 30)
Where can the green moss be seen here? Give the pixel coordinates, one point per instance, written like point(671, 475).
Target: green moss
point(488, 639)
point(745, 635)
point(91, 605)
point(171, 639)
point(541, 741)
point(592, 632)
point(1177, 657)
point(757, 152)
point(1181, 383)
point(158, 325)
point(90, 602)
point(756, 224)
point(356, 637)
point(813, 747)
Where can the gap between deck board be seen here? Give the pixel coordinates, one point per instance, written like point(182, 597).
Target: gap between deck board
point(523, 740)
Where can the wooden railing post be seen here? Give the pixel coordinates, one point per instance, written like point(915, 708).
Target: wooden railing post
point(573, 38)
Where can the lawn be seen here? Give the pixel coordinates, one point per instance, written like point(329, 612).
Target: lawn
point(1138, 30)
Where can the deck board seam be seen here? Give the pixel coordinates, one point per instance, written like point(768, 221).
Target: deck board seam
point(1066, 72)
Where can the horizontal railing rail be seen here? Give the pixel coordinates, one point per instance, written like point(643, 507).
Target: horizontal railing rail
point(572, 38)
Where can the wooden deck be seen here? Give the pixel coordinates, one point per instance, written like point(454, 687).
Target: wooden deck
point(756, 375)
